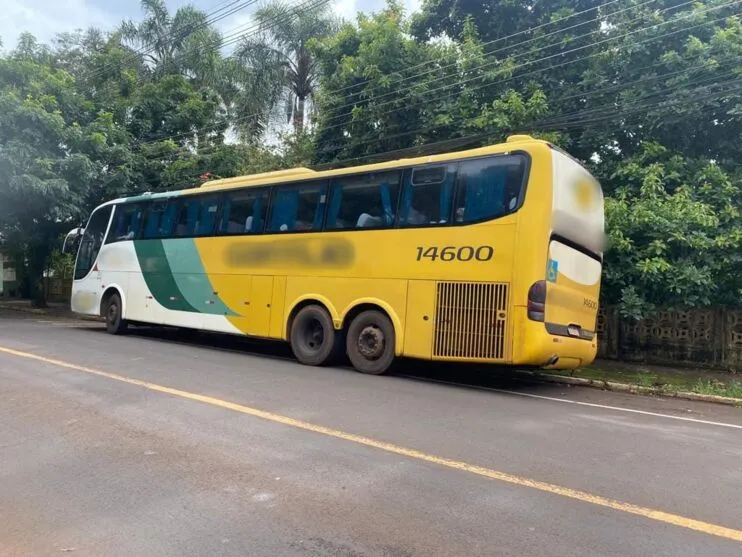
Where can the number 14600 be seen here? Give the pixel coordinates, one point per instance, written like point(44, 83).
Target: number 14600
point(454, 253)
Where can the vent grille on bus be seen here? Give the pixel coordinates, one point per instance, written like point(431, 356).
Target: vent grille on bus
point(470, 320)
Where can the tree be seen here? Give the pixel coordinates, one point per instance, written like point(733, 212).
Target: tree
point(106, 71)
point(281, 55)
point(384, 91)
point(495, 20)
point(675, 234)
point(659, 125)
point(182, 43)
point(53, 148)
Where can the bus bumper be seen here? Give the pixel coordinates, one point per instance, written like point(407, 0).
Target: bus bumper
point(536, 347)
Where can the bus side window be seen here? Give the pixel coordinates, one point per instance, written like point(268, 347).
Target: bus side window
point(243, 211)
point(156, 219)
point(126, 221)
point(363, 201)
point(208, 207)
point(298, 208)
point(427, 196)
point(196, 216)
point(489, 188)
point(168, 219)
point(186, 219)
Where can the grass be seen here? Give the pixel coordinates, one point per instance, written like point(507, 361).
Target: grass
point(669, 380)
point(644, 379)
point(732, 389)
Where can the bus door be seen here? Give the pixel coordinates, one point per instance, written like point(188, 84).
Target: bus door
point(88, 282)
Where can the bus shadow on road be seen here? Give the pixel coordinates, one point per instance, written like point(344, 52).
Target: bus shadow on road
point(471, 376)
point(215, 341)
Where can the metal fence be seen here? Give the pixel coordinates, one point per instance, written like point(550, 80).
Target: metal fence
point(58, 289)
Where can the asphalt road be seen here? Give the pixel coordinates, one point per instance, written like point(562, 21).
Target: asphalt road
point(158, 444)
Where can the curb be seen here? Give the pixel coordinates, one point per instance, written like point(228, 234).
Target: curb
point(46, 312)
point(631, 389)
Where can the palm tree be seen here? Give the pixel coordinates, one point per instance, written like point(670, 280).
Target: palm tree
point(280, 54)
point(181, 43)
point(186, 44)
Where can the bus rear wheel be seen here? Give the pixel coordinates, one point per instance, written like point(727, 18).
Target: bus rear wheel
point(371, 342)
point(115, 323)
point(313, 338)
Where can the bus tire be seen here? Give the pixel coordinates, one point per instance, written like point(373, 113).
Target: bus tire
point(313, 338)
point(115, 323)
point(370, 343)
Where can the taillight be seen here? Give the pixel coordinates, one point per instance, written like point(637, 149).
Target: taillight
point(537, 301)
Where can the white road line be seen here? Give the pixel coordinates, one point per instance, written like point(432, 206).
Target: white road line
point(579, 403)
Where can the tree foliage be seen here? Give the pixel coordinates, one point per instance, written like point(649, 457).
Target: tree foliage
point(54, 152)
point(675, 233)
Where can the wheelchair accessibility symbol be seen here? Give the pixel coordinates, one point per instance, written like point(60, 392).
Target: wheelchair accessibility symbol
point(552, 270)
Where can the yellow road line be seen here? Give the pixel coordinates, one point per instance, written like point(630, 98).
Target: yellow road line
point(653, 514)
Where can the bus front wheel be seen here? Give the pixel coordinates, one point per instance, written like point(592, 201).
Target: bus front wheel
point(313, 339)
point(371, 343)
point(115, 323)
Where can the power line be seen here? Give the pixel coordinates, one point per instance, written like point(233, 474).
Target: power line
point(545, 124)
point(503, 49)
point(238, 36)
point(684, 29)
point(425, 149)
point(257, 26)
point(640, 109)
point(209, 19)
point(618, 88)
point(476, 139)
point(529, 63)
point(258, 115)
point(534, 72)
point(235, 37)
point(268, 24)
point(229, 4)
point(626, 86)
point(623, 87)
point(501, 39)
point(552, 56)
point(599, 112)
point(562, 122)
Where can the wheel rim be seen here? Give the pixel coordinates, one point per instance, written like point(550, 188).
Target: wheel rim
point(371, 342)
point(313, 335)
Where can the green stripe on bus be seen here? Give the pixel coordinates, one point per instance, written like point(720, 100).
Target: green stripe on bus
point(191, 278)
point(158, 276)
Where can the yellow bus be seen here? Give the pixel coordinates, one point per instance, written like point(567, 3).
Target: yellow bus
point(490, 255)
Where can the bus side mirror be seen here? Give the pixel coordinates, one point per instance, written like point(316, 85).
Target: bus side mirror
point(72, 240)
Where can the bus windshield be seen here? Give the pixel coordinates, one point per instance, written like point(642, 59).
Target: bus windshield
point(91, 242)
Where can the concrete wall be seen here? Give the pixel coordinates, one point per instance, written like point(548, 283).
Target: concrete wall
point(709, 337)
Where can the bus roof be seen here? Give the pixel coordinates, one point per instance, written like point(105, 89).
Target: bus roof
point(297, 174)
point(301, 173)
